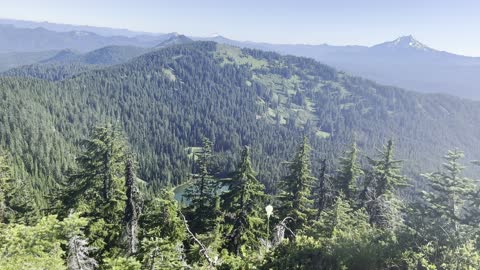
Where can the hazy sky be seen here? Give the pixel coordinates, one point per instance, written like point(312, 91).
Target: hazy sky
point(451, 25)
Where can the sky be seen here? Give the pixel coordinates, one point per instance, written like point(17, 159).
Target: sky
point(450, 25)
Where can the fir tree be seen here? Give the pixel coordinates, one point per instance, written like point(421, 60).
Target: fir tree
point(322, 192)
point(381, 182)
point(96, 188)
point(5, 188)
point(17, 203)
point(450, 190)
point(348, 173)
point(202, 194)
point(163, 232)
point(296, 189)
point(243, 206)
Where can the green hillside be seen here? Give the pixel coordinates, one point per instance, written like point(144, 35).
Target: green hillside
point(169, 99)
point(92, 156)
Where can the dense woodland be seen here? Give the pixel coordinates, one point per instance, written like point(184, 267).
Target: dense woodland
point(93, 159)
point(102, 215)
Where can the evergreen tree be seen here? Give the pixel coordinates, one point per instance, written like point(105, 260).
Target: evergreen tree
point(96, 189)
point(5, 187)
point(444, 219)
point(348, 173)
point(322, 194)
point(449, 188)
point(17, 203)
point(446, 203)
point(296, 189)
point(243, 206)
point(163, 232)
point(201, 196)
point(381, 182)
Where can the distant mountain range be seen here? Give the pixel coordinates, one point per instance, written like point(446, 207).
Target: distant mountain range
point(15, 39)
point(58, 27)
point(403, 62)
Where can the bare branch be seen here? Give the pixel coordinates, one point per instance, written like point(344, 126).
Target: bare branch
point(203, 250)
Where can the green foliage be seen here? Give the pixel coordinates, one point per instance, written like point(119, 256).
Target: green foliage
point(96, 188)
point(162, 234)
point(232, 103)
point(382, 180)
point(297, 188)
point(202, 194)
point(121, 263)
point(167, 101)
point(162, 253)
point(39, 246)
point(348, 173)
point(449, 188)
point(5, 188)
point(243, 206)
point(16, 202)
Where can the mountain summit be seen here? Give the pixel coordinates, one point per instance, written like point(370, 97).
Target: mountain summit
point(175, 39)
point(405, 42)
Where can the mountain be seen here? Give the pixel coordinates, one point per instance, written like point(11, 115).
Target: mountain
point(167, 100)
point(16, 59)
point(67, 63)
point(63, 56)
point(403, 43)
point(60, 27)
point(403, 62)
point(175, 39)
point(14, 39)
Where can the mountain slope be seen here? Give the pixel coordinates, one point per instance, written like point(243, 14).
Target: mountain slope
point(167, 100)
point(16, 59)
point(404, 62)
point(175, 40)
point(67, 63)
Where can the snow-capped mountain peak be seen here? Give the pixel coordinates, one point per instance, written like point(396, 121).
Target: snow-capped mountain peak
point(405, 42)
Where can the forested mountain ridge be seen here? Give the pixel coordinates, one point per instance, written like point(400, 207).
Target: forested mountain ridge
point(67, 63)
point(16, 59)
point(166, 101)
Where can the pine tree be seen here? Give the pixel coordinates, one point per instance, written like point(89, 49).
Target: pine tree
point(381, 182)
point(296, 189)
point(201, 195)
point(243, 206)
point(348, 173)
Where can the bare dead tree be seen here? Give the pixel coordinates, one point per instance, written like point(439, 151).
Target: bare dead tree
point(78, 255)
point(279, 231)
point(132, 210)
